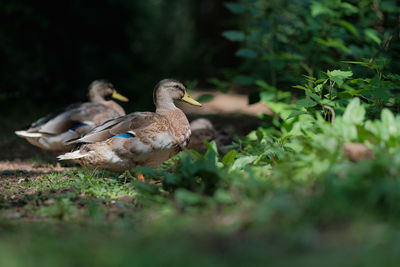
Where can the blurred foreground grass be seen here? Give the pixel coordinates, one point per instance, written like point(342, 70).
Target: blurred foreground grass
point(81, 217)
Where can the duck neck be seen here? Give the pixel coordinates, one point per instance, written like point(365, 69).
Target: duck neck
point(114, 106)
point(164, 102)
point(96, 98)
point(109, 103)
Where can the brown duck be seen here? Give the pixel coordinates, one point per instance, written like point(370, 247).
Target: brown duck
point(140, 138)
point(52, 131)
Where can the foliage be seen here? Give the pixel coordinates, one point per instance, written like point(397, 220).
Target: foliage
point(281, 40)
point(338, 87)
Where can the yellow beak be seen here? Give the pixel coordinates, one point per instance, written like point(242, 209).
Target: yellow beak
point(186, 98)
point(116, 95)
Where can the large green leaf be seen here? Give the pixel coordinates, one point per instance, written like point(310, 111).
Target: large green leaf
point(339, 76)
point(354, 112)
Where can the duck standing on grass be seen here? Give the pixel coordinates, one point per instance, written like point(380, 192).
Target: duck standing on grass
point(140, 138)
point(52, 131)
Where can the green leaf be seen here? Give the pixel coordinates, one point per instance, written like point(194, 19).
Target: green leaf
point(260, 135)
point(305, 103)
point(300, 87)
point(196, 153)
point(327, 102)
point(234, 36)
point(229, 158)
point(212, 146)
point(246, 53)
point(389, 122)
point(267, 96)
point(336, 43)
point(315, 97)
point(318, 8)
point(348, 26)
point(318, 88)
point(354, 112)
point(351, 9)
point(235, 8)
point(372, 35)
point(339, 76)
point(296, 113)
point(243, 161)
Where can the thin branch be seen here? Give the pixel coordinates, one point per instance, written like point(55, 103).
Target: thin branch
point(386, 44)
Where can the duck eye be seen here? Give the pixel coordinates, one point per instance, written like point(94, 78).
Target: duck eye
point(177, 86)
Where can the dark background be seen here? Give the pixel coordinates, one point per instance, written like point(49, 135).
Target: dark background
point(50, 51)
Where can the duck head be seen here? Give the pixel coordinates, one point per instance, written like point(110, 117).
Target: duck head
point(100, 90)
point(168, 90)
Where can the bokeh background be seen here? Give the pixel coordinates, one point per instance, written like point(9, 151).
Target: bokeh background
point(51, 51)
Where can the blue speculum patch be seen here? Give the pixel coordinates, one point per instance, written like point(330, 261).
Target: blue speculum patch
point(78, 126)
point(124, 135)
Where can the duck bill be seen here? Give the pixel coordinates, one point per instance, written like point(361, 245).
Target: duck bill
point(119, 97)
point(186, 98)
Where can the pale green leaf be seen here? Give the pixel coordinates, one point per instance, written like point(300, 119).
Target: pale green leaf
point(339, 76)
point(389, 122)
point(354, 112)
point(243, 161)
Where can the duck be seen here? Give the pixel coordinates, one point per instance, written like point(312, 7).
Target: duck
point(51, 132)
point(139, 139)
point(202, 130)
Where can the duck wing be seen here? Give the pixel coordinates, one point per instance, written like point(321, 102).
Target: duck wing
point(72, 116)
point(37, 125)
point(128, 124)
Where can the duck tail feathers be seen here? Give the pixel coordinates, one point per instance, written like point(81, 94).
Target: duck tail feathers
point(73, 155)
point(28, 134)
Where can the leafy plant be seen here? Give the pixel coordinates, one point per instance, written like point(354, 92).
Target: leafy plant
point(282, 40)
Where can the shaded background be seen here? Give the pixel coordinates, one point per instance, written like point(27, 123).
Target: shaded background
point(51, 51)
